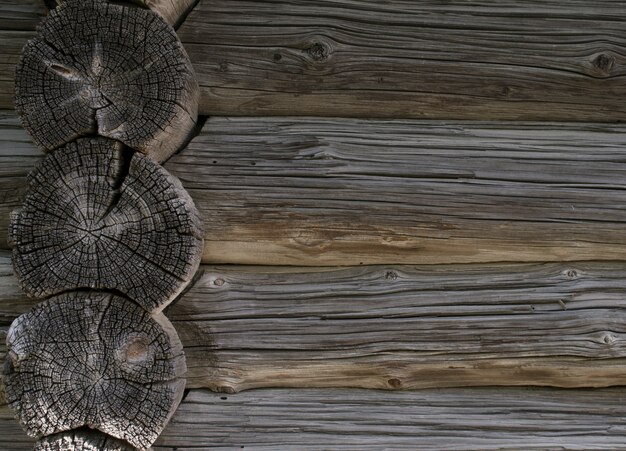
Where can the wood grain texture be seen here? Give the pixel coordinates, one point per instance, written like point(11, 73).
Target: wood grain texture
point(463, 419)
point(105, 69)
point(11, 43)
point(18, 20)
point(400, 327)
point(18, 156)
point(348, 192)
point(94, 360)
point(451, 419)
point(304, 191)
point(94, 210)
point(21, 15)
point(172, 11)
point(538, 60)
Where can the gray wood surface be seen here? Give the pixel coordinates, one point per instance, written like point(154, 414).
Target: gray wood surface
point(130, 79)
point(348, 192)
point(18, 19)
point(451, 419)
point(95, 208)
point(94, 360)
point(397, 327)
point(533, 60)
point(548, 59)
point(306, 191)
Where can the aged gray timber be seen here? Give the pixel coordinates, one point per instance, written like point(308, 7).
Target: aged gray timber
point(18, 156)
point(130, 80)
point(82, 440)
point(20, 15)
point(451, 419)
point(308, 191)
point(95, 209)
point(96, 360)
point(18, 19)
point(399, 327)
point(545, 60)
point(173, 11)
point(548, 60)
point(304, 191)
point(11, 43)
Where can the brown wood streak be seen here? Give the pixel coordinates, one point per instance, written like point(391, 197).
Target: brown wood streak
point(449, 419)
point(399, 327)
point(531, 60)
point(542, 60)
point(305, 191)
point(311, 191)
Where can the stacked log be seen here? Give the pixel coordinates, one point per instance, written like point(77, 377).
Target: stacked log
point(106, 237)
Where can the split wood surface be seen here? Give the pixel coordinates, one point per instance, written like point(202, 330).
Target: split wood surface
point(546, 60)
point(450, 419)
point(81, 440)
point(98, 215)
point(96, 360)
point(310, 191)
point(130, 80)
point(396, 327)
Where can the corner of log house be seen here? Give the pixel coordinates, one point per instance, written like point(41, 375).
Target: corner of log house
point(312, 225)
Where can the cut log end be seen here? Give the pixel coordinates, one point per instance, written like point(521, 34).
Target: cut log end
point(94, 360)
point(99, 216)
point(82, 440)
point(130, 80)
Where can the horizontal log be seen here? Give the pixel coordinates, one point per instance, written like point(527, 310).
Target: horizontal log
point(21, 15)
point(297, 191)
point(451, 419)
point(11, 43)
point(18, 20)
point(398, 327)
point(545, 60)
point(348, 192)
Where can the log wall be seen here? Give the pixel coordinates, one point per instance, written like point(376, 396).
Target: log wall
point(421, 197)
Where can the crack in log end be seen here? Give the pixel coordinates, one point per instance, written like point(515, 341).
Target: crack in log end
point(130, 80)
point(82, 439)
point(76, 349)
point(99, 216)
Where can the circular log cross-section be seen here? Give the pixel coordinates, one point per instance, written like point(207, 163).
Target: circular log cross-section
point(94, 360)
point(111, 70)
point(99, 216)
point(81, 440)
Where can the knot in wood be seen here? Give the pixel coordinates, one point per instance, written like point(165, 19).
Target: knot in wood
point(604, 63)
point(100, 216)
point(318, 52)
point(99, 68)
point(94, 360)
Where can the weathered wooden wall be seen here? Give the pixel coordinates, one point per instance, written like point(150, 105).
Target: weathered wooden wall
point(309, 191)
point(396, 327)
point(546, 60)
point(451, 419)
point(302, 180)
